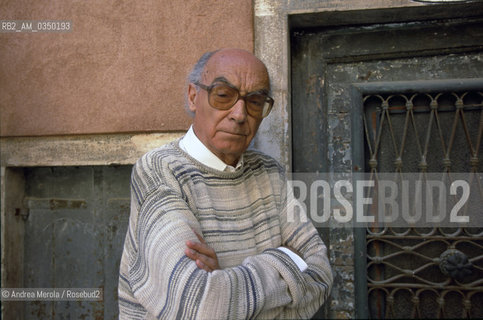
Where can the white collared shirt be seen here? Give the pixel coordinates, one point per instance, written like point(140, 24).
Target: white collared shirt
point(195, 148)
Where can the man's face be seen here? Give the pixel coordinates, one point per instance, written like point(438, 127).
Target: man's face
point(228, 133)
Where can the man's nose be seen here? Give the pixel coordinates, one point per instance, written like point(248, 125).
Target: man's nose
point(239, 111)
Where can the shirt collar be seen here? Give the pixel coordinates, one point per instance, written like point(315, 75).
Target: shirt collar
point(195, 148)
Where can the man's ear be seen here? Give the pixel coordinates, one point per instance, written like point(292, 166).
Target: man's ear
point(192, 92)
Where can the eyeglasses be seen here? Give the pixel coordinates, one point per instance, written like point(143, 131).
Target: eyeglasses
point(223, 96)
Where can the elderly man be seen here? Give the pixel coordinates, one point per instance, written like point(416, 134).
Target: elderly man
point(209, 233)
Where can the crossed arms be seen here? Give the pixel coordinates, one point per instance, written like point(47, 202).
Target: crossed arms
point(173, 272)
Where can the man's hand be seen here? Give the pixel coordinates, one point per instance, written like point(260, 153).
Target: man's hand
point(202, 254)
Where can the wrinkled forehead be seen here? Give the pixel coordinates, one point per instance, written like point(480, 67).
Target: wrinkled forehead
point(242, 69)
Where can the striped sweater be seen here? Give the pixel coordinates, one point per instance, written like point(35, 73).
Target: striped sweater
point(242, 216)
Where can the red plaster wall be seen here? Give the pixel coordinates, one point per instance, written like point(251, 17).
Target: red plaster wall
point(121, 69)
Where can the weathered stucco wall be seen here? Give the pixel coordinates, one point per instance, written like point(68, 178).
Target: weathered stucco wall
point(121, 69)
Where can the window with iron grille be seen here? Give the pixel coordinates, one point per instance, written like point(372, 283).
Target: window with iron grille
point(424, 272)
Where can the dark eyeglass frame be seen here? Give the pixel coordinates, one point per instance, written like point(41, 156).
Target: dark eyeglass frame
point(266, 108)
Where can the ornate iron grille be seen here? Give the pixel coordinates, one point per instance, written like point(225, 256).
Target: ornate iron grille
point(424, 272)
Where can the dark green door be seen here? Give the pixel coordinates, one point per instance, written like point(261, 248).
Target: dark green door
point(405, 97)
point(74, 233)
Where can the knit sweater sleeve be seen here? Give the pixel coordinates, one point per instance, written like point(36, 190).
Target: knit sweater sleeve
point(314, 284)
point(168, 285)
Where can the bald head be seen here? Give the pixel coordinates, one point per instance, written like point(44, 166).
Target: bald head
point(227, 132)
point(236, 59)
point(223, 56)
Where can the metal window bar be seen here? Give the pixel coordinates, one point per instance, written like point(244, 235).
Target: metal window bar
point(423, 132)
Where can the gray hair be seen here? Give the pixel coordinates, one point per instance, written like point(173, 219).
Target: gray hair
point(196, 74)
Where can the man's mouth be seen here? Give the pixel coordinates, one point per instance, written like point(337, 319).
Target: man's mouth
point(235, 133)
